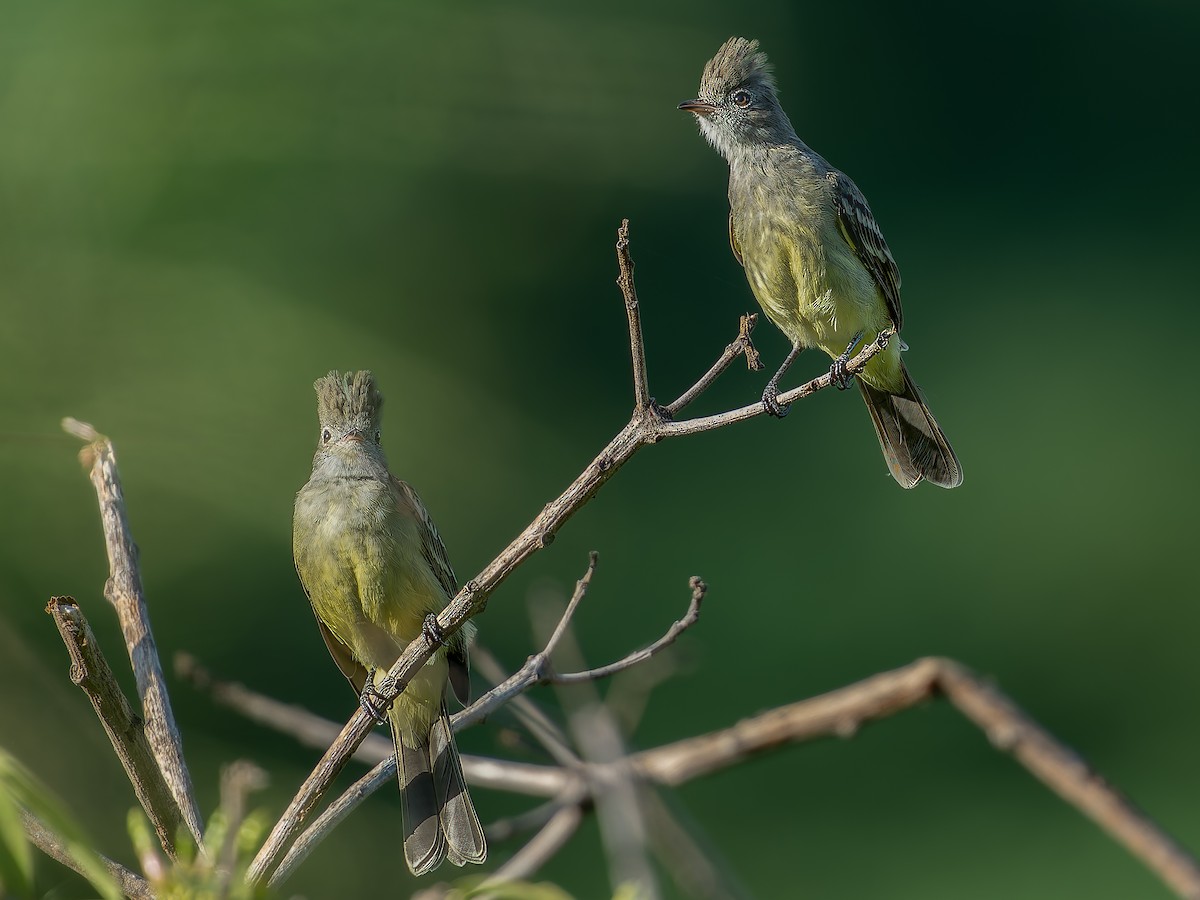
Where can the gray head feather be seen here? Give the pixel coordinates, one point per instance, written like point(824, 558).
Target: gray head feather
point(738, 108)
point(349, 402)
point(739, 63)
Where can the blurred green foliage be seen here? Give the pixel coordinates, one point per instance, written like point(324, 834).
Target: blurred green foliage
point(204, 207)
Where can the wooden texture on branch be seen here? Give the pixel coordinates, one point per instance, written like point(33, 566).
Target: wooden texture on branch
point(91, 672)
point(124, 590)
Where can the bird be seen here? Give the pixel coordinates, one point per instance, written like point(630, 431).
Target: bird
point(376, 573)
point(815, 258)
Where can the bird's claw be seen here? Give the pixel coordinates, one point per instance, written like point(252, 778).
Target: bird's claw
point(771, 404)
point(838, 374)
point(433, 631)
point(372, 701)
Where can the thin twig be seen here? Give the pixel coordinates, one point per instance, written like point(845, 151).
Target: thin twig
point(641, 385)
point(548, 734)
point(753, 410)
point(544, 845)
point(742, 345)
point(544, 729)
point(124, 590)
point(699, 872)
point(90, 670)
point(133, 885)
point(510, 827)
point(699, 589)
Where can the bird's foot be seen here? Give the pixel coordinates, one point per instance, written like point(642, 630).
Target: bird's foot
point(372, 701)
point(433, 631)
point(771, 402)
point(839, 376)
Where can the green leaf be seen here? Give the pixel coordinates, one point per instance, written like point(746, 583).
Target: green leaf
point(21, 789)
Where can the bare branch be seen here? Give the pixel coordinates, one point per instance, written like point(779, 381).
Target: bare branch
point(306, 727)
point(90, 670)
point(743, 345)
point(124, 590)
point(609, 778)
point(641, 387)
point(842, 712)
point(699, 589)
point(753, 410)
point(510, 689)
point(547, 842)
point(508, 828)
point(40, 834)
point(697, 871)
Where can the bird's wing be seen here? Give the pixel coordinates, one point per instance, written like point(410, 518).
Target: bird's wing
point(354, 671)
point(434, 552)
point(432, 547)
point(733, 244)
point(860, 230)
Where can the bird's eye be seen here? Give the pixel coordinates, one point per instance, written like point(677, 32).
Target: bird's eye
point(326, 434)
point(740, 98)
point(377, 437)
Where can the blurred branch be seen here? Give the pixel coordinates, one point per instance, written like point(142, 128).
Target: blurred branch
point(547, 842)
point(124, 590)
point(841, 713)
point(608, 776)
point(698, 871)
point(54, 846)
point(90, 670)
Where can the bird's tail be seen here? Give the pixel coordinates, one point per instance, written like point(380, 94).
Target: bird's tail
point(436, 811)
point(912, 441)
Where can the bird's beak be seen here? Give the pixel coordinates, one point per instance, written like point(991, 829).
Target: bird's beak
point(698, 107)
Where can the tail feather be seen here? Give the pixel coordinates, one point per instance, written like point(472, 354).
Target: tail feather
point(912, 441)
point(465, 842)
point(424, 842)
point(438, 817)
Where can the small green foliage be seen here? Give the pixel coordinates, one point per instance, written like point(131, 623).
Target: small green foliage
point(218, 872)
point(19, 789)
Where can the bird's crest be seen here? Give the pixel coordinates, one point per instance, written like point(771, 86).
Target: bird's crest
point(738, 62)
point(349, 402)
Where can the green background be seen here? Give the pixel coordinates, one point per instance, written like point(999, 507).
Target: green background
point(205, 207)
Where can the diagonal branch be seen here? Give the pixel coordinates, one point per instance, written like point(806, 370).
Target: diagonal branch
point(124, 590)
point(699, 589)
point(45, 839)
point(90, 670)
point(842, 712)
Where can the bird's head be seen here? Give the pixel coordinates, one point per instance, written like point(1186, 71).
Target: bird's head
point(349, 410)
point(738, 107)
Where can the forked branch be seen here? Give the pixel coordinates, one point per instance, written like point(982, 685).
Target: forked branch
point(647, 426)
